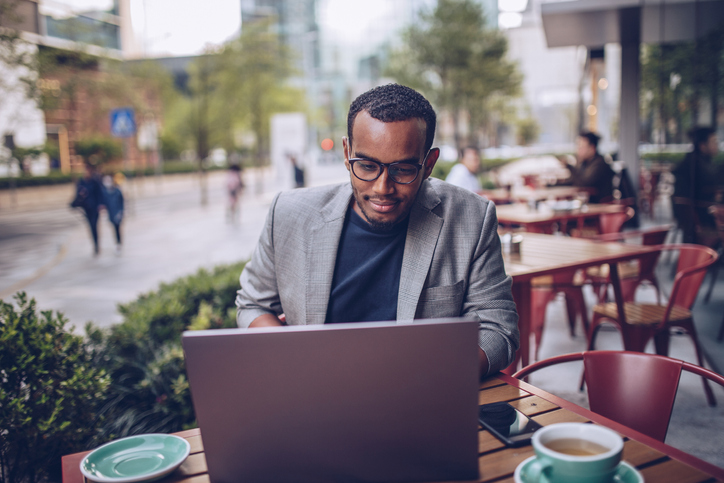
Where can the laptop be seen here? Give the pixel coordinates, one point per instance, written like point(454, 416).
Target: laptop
point(372, 401)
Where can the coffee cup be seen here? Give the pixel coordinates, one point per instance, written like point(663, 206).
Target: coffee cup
point(575, 453)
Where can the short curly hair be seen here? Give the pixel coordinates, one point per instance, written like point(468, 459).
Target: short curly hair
point(394, 102)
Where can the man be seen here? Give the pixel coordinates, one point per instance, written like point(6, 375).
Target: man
point(591, 170)
point(390, 245)
point(697, 185)
point(464, 174)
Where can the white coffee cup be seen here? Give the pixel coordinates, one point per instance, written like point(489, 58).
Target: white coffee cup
point(575, 453)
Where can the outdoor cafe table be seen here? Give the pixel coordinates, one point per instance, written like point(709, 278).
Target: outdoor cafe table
point(526, 193)
point(549, 254)
point(657, 462)
point(542, 219)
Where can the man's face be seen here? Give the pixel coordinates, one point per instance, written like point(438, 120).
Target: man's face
point(382, 202)
point(471, 160)
point(711, 147)
point(584, 149)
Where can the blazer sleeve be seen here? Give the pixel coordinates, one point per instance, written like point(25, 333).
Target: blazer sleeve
point(259, 293)
point(489, 297)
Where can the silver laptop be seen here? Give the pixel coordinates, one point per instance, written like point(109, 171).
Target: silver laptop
point(337, 403)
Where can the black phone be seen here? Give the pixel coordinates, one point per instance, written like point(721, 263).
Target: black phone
point(507, 424)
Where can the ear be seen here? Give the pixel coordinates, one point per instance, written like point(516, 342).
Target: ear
point(430, 162)
point(346, 147)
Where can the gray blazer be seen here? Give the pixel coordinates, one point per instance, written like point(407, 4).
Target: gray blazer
point(452, 265)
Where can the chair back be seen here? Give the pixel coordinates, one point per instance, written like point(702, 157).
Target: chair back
point(613, 222)
point(691, 268)
point(635, 389)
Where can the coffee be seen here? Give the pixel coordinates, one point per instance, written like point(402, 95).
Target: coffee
point(575, 447)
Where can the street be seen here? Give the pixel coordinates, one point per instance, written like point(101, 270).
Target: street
point(46, 250)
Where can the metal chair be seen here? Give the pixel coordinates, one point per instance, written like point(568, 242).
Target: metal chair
point(642, 321)
point(718, 212)
point(633, 273)
point(631, 388)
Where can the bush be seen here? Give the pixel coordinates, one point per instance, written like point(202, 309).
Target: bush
point(49, 388)
point(99, 150)
point(149, 391)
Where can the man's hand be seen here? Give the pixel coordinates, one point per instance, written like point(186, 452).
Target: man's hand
point(267, 320)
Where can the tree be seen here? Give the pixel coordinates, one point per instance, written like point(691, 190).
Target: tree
point(675, 79)
point(455, 59)
point(253, 83)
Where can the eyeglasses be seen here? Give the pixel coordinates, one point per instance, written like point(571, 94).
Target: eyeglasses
point(401, 172)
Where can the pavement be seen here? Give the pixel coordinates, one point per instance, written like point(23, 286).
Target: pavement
point(45, 249)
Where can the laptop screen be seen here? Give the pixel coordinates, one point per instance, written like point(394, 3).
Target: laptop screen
point(343, 402)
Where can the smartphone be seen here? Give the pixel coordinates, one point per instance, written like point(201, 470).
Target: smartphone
point(507, 423)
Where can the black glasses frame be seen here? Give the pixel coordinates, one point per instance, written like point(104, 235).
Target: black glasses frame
point(388, 166)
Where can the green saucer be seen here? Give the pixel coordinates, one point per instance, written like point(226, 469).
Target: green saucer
point(625, 473)
point(146, 457)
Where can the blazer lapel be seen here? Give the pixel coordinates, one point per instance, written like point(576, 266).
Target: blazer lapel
point(322, 255)
point(422, 236)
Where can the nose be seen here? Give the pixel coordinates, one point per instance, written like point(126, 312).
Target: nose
point(384, 184)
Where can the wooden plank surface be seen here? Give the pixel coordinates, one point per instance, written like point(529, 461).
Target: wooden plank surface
point(497, 463)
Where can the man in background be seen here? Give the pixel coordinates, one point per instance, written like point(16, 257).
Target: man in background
point(465, 173)
point(591, 171)
point(698, 185)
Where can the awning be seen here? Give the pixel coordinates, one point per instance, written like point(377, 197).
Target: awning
point(594, 23)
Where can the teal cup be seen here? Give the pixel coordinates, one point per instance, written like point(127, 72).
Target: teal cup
point(575, 453)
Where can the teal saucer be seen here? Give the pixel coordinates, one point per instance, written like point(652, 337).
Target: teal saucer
point(146, 457)
point(625, 473)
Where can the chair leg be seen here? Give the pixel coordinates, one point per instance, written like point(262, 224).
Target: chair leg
point(688, 326)
point(572, 314)
point(714, 273)
point(635, 338)
point(721, 332)
point(661, 342)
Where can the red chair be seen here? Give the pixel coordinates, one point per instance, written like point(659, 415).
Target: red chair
point(631, 388)
point(643, 321)
point(633, 273)
point(718, 212)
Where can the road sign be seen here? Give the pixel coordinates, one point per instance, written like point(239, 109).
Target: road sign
point(123, 123)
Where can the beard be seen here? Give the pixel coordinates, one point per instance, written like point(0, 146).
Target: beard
point(377, 225)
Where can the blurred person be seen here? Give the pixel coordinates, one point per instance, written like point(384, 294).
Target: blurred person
point(113, 197)
point(591, 171)
point(698, 184)
point(234, 188)
point(89, 197)
point(464, 173)
point(390, 244)
point(298, 172)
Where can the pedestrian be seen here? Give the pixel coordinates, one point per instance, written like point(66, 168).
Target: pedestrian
point(89, 197)
point(234, 188)
point(298, 172)
point(113, 197)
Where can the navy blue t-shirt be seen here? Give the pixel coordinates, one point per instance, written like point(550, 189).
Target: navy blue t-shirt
point(367, 272)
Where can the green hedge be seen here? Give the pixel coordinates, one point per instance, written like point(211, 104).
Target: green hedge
point(60, 393)
point(173, 167)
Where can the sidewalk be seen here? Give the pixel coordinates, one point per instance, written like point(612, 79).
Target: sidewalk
point(45, 246)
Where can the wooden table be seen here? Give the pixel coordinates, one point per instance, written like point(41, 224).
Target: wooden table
point(526, 193)
point(544, 218)
point(550, 254)
point(657, 462)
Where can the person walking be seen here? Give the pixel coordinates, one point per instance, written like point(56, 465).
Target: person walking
point(89, 197)
point(113, 197)
point(234, 188)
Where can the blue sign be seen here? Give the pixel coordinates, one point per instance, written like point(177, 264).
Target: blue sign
point(123, 122)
